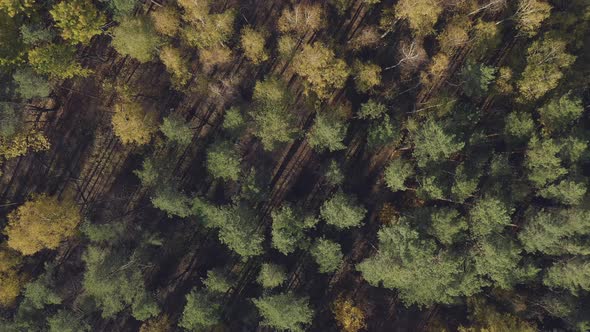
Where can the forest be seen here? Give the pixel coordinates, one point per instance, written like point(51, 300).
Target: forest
point(294, 165)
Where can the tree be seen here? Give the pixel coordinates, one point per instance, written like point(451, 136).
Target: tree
point(19, 143)
point(366, 76)
point(302, 18)
point(30, 85)
point(477, 79)
point(530, 14)
point(559, 113)
point(455, 34)
point(272, 121)
point(327, 254)
point(114, 281)
point(170, 200)
point(484, 317)
point(14, 7)
point(571, 274)
point(176, 129)
point(327, 133)
point(489, 215)
point(383, 132)
point(433, 144)
point(334, 175)
point(252, 43)
point(271, 275)
point(217, 281)
point(223, 162)
point(555, 232)
point(284, 311)
point(136, 37)
point(233, 121)
point(542, 162)
point(67, 321)
point(161, 323)
point(78, 20)
point(397, 172)
point(342, 211)
point(166, 20)
point(132, 124)
point(447, 225)
point(215, 56)
point(11, 281)
point(519, 126)
point(122, 8)
point(200, 312)
point(208, 31)
point(41, 223)
point(372, 110)
point(176, 65)
point(56, 60)
point(465, 183)
point(349, 317)
point(322, 71)
point(288, 228)
point(566, 192)
point(421, 14)
point(546, 59)
point(415, 267)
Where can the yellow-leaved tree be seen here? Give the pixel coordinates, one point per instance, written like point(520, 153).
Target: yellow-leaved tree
point(132, 124)
point(11, 281)
point(41, 223)
point(349, 317)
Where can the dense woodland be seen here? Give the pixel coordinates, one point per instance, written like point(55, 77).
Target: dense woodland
point(276, 165)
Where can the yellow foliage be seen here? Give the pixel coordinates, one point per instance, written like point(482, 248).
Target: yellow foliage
point(366, 76)
point(11, 282)
point(349, 317)
point(211, 57)
point(166, 21)
point(13, 7)
point(79, 20)
point(301, 19)
point(175, 64)
point(158, 324)
point(287, 45)
point(195, 12)
point(503, 81)
point(41, 223)
point(530, 14)
point(486, 319)
point(132, 124)
point(18, 145)
point(438, 66)
point(421, 14)
point(321, 69)
point(252, 43)
point(455, 34)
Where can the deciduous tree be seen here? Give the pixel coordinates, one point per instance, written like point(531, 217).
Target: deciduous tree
point(132, 124)
point(79, 20)
point(136, 37)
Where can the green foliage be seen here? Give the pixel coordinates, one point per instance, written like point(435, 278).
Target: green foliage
point(342, 211)
point(465, 184)
point(170, 200)
point(397, 172)
point(136, 37)
point(542, 162)
point(30, 85)
point(546, 59)
point(519, 126)
point(273, 123)
point(334, 175)
point(327, 254)
point(39, 293)
point(382, 132)
point(327, 133)
point(200, 312)
point(67, 321)
point(372, 110)
point(271, 275)
point(223, 161)
point(572, 274)
point(288, 228)
point(556, 232)
point(566, 192)
point(447, 225)
point(115, 282)
point(56, 60)
point(285, 311)
point(430, 187)
point(217, 281)
point(78, 20)
point(559, 113)
point(488, 215)
point(477, 79)
point(33, 35)
point(177, 130)
point(122, 8)
point(367, 76)
point(433, 144)
point(234, 120)
point(422, 274)
point(11, 120)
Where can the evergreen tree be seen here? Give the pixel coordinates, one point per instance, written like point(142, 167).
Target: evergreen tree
point(285, 311)
point(327, 254)
point(271, 275)
point(343, 211)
